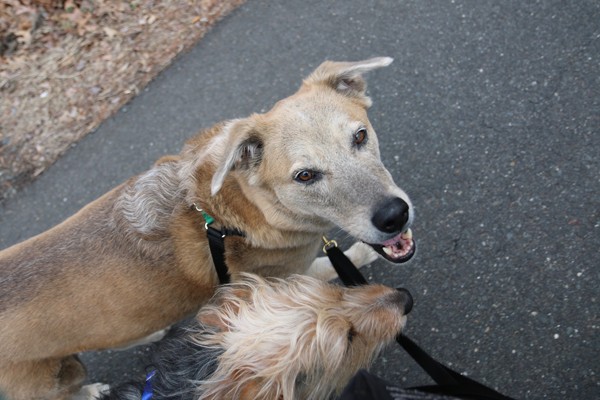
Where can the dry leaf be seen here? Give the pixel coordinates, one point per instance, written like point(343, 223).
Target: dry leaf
point(24, 37)
point(110, 32)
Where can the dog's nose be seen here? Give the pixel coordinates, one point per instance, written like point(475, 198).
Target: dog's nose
point(406, 299)
point(391, 215)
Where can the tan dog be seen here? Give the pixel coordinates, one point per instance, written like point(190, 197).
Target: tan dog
point(292, 339)
point(136, 260)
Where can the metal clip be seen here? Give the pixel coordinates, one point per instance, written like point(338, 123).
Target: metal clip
point(328, 244)
point(207, 218)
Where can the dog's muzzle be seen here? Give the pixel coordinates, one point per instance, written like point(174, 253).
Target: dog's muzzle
point(391, 217)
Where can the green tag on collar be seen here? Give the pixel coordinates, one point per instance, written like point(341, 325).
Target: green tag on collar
point(207, 218)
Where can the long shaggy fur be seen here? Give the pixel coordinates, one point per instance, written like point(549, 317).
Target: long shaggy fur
point(299, 338)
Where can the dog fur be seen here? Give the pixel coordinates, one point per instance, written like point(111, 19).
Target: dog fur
point(136, 260)
point(299, 338)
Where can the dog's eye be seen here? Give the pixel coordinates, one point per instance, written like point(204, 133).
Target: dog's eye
point(351, 334)
point(360, 136)
point(307, 176)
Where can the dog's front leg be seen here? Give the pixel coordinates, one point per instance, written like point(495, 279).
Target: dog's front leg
point(359, 253)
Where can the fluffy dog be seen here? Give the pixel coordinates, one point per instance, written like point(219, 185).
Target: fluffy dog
point(273, 339)
point(283, 178)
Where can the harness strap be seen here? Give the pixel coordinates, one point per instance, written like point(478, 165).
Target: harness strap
point(216, 244)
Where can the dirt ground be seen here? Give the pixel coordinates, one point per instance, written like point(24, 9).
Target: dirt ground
point(66, 65)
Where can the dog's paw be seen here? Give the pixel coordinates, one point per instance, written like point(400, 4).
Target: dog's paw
point(91, 392)
point(361, 254)
point(156, 336)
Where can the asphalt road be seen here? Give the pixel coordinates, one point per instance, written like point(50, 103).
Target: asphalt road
point(489, 118)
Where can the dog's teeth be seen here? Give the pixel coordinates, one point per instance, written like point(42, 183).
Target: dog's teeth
point(388, 250)
point(407, 235)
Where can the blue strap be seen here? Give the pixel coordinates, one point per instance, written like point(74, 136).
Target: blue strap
point(147, 395)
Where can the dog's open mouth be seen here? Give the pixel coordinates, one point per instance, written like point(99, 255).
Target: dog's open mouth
point(399, 249)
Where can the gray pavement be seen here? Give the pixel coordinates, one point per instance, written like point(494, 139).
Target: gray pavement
point(489, 118)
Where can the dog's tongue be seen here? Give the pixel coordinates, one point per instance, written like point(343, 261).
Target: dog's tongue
point(399, 249)
point(399, 246)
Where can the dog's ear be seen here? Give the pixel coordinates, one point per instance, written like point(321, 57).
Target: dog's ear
point(209, 319)
point(346, 77)
point(332, 339)
point(240, 148)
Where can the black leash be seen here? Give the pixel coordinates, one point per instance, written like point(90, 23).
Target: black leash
point(449, 382)
point(346, 270)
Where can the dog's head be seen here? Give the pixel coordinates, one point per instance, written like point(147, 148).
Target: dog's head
point(299, 337)
point(313, 161)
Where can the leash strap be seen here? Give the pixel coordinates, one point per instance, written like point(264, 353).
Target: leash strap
point(448, 381)
point(348, 273)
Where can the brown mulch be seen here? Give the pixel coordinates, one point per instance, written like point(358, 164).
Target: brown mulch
point(66, 65)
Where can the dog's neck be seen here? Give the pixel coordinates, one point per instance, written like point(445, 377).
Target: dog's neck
point(256, 212)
